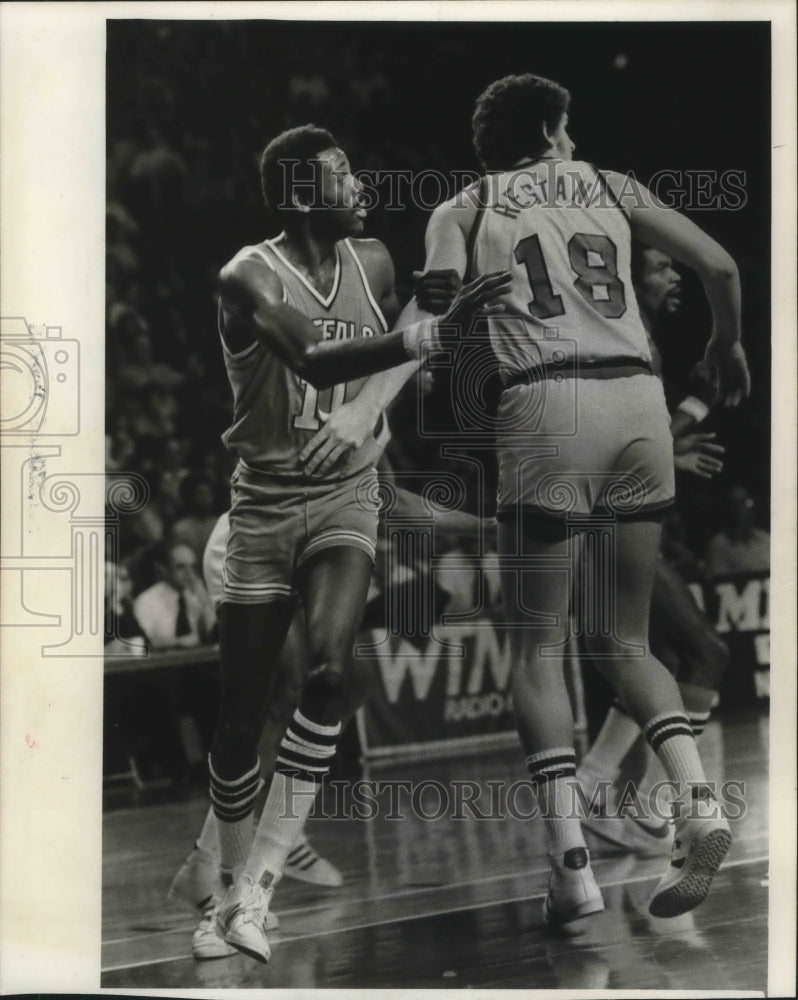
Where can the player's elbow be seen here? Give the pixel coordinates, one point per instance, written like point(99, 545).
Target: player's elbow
point(309, 365)
point(718, 267)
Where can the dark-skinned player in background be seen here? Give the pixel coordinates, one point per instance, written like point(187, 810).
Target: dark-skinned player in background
point(681, 635)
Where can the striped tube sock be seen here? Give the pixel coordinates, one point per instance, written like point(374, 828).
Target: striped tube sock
point(698, 703)
point(670, 736)
point(698, 722)
point(302, 762)
point(232, 803)
point(553, 773)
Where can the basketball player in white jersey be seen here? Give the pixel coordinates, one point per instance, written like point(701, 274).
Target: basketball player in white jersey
point(681, 635)
point(585, 451)
point(302, 320)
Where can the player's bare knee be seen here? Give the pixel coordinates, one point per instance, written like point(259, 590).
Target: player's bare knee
point(326, 693)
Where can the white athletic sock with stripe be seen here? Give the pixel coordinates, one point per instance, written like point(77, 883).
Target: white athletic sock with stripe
point(233, 802)
point(302, 762)
point(553, 772)
point(698, 703)
point(670, 736)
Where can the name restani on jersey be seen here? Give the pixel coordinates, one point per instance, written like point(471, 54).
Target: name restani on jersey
point(524, 190)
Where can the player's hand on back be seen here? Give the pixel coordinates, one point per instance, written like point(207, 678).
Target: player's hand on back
point(735, 379)
point(435, 290)
point(479, 296)
point(344, 431)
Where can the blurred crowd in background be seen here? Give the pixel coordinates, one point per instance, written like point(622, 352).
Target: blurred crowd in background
point(190, 107)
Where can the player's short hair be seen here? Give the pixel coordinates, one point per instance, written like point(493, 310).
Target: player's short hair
point(289, 160)
point(508, 116)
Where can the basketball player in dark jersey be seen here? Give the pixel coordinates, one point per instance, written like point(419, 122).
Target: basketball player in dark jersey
point(302, 321)
point(584, 438)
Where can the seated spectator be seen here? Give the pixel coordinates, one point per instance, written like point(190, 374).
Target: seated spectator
point(122, 631)
point(195, 528)
point(176, 611)
point(741, 547)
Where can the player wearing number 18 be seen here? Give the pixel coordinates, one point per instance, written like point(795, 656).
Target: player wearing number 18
point(585, 453)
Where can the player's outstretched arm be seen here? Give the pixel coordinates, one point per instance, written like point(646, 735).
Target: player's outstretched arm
point(382, 388)
point(674, 234)
point(348, 427)
point(249, 299)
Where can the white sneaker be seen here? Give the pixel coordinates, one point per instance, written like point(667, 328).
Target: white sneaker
point(573, 892)
point(305, 865)
point(207, 943)
point(241, 919)
point(700, 844)
point(196, 881)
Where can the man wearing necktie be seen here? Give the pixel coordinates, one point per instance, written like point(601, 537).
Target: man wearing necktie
point(176, 611)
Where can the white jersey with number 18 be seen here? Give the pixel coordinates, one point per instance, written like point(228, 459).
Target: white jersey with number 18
point(557, 227)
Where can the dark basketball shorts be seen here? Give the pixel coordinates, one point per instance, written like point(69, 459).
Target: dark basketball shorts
point(276, 526)
point(581, 446)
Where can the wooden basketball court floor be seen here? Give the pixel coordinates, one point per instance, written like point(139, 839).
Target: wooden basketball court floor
point(451, 903)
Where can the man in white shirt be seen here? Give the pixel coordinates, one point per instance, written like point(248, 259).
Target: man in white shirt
point(176, 611)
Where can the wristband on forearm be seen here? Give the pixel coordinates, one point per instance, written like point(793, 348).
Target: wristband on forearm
point(417, 334)
point(694, 407)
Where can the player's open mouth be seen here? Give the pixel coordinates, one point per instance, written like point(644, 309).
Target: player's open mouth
point(361, 212)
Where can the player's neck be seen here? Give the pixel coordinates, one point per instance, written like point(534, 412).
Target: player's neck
point(305, 249)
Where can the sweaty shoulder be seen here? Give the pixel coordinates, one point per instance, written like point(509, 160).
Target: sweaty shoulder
point(376, 261)
point(459, 211)
point(447, 231)
point(248, 274)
